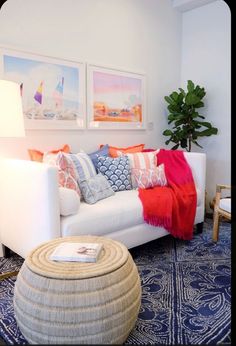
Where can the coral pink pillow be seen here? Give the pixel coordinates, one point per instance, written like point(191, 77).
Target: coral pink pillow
point(113, 151)
point(141, 160)
point(36, 155)
point(66, 170)
point(146, 178)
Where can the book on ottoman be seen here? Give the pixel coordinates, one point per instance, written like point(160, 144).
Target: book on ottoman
point(77, 252)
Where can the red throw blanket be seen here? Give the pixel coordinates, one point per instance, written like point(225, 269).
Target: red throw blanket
point(172, 206)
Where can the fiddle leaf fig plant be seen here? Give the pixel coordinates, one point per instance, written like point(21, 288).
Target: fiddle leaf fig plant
point(183, 114)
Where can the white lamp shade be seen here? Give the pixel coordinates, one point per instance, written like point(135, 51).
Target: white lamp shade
point(11, 113)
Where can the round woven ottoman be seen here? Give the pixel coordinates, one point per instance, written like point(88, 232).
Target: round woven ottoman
point(77, 302)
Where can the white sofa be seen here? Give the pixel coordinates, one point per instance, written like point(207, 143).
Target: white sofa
point(30, 208)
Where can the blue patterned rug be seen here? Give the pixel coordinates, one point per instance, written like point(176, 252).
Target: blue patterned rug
point(186, 292)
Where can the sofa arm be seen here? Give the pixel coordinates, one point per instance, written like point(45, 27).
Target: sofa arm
point(197, 162)
point(29, 205)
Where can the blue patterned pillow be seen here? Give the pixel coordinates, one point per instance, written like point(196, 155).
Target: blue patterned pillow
point(96, 188)
point(117, 172)
point(83, 165)
point(104, 151)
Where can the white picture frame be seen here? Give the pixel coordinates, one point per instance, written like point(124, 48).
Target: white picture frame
point(53, 90)
point(116, 99)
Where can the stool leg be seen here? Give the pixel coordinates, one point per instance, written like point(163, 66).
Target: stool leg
point(215, 234)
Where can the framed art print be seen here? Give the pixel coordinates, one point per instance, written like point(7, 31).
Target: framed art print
point(115, 99)
point(53, 90)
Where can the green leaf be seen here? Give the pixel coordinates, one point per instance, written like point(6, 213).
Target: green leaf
point(190, 86)
point(195, 115)
point(175, 147)
point(167, 133)
point(205, 123)
point(191, 99)
point(169, 100)
point(182, 91)
point(195, 142)
point(171, 117)
point(214, 130)
point(208, 132)
point(173, 108)
point(179, 122)
point(174, 96)
point(199, 104)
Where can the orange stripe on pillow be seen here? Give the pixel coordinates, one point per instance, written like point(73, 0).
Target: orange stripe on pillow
point(147, 160)
point(136, 161)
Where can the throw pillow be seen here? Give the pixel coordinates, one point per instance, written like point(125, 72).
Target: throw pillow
point(69, 201)
point(95, 189)
point(104, 151)
point(83, 165)
point(133, 149)
point(37, 155)
point(66, 170)
point(148, 150)
point(117, 172)
point(145, 178)
point(142, 160)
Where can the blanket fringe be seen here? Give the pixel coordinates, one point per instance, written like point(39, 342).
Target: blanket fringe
point(165, 222)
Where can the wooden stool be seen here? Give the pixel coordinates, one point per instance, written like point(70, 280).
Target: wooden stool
point(222, 208)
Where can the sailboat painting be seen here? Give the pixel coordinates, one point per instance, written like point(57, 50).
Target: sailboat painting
point(53, 91)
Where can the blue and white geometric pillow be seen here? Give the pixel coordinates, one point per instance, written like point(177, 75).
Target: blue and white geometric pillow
point(117, 171)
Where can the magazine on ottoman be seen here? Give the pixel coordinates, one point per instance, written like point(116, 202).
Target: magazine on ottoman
point(77, 252)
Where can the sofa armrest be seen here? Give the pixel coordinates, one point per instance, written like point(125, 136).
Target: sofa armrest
point(29, 204)
point(197, 162)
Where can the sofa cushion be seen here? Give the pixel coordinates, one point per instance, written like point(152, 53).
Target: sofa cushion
point(120, 211)
point(95, 189)
point(69, 201)
point(225, 204)
point(117, 172)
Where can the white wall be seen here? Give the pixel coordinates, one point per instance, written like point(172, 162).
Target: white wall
point(206, 60)
point(138, 35)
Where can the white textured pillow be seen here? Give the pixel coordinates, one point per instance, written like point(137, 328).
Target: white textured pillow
point(69, 201)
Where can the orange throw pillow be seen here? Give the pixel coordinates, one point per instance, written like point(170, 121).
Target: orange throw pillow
point(36, 155)
point(113, 151)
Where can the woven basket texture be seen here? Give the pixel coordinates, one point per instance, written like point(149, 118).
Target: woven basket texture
point(75, 302)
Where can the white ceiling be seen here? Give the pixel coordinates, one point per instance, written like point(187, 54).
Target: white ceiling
point(186, 5)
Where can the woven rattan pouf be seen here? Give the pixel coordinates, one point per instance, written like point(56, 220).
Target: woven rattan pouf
point(75, 302)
